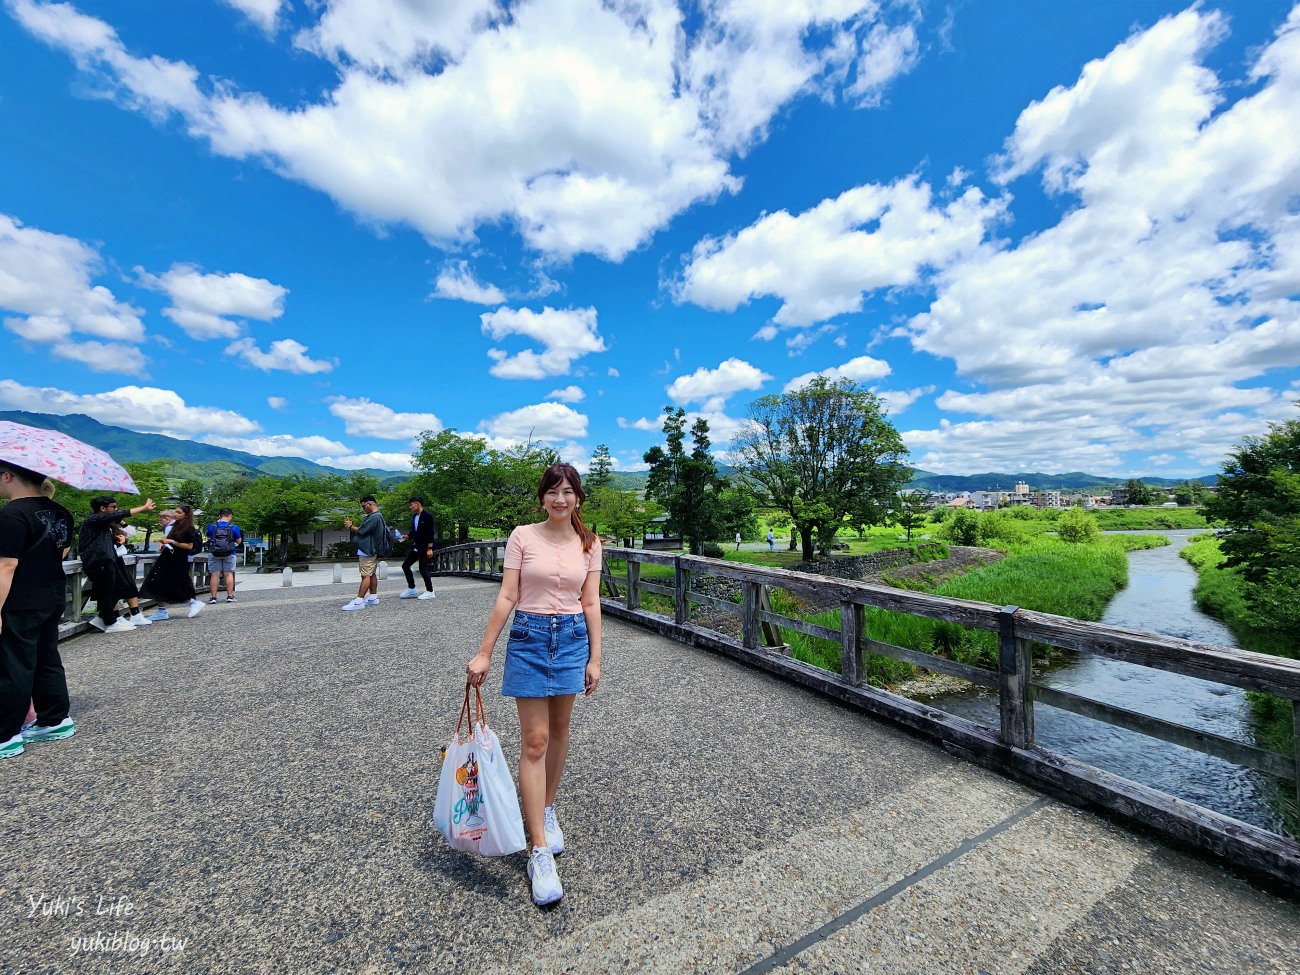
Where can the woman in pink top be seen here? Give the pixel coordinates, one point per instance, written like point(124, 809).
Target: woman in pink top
point(551, 580)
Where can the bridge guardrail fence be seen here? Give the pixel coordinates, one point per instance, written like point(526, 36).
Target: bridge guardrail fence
point(1010, 747)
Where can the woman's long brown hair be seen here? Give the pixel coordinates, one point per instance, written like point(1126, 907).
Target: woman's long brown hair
point(183, 524)
point(552, 476)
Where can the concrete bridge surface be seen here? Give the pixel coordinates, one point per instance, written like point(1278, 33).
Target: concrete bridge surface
point(251, 791)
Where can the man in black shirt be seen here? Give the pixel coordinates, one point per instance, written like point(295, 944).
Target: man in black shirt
point(35, 535)
point(98, 551)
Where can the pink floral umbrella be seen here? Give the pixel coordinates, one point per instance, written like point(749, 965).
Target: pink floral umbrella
point(62, 458)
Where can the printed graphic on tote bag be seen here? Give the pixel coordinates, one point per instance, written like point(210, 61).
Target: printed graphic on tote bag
point(468, 806)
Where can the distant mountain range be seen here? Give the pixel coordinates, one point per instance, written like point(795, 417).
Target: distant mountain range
point(199, 460)
point(206, 462)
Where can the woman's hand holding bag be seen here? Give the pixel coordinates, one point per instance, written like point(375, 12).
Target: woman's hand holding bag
point(476, 806)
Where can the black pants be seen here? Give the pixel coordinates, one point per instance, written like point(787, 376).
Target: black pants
point(411, 558)
point(104, 583)
point(31, 669)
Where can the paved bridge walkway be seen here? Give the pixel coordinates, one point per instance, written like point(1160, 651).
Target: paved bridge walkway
point(250, 791)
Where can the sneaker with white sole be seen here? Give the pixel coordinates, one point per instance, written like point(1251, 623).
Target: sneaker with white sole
point(547, 888)
point(98, 623)
point(196, 607)
point(53, 732)
point(357, 603)
point(554, 835)
point(159, 616)
point(11, 748)
point(139, 619)
point(372, 600)
point(428, 595)
point(230, 599)
point(409, 594)
point(121, 626)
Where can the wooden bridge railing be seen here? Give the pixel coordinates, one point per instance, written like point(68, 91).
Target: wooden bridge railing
point(1010, 747)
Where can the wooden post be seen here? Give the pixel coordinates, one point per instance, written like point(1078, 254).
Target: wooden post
point(852, 659)
point(1295, 734)
point(633, 584)
point(78, 599)
point(749, 618)
point(771, 632)
point(1015, 682)
point(607, 577)
point(681, 602)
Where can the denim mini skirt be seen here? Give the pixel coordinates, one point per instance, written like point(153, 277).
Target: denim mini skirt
point(546, 656)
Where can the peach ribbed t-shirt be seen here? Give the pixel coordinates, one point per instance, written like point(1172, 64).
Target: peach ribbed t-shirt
point(550, 575)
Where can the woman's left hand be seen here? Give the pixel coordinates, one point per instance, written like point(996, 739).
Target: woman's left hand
point(592, 681)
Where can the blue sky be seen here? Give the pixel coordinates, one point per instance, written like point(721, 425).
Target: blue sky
point(1051, 236)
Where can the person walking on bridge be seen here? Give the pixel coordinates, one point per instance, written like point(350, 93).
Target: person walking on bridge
point(421, 537)
point(551, 580)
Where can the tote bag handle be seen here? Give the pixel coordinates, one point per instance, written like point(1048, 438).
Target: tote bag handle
point(471, 715)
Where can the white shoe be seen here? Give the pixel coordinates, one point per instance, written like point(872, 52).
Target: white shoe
point(139, 619)
point(554, 835)
point(547, 888)
point(196, 607)
point(427, 595)
point(121, 626)
point(357, 603)
point(409, 594)
point(372, 600)
point(98, 623)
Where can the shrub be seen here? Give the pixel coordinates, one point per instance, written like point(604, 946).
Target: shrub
point(1076, 527)
point(712, 550)
point(342, 550)
point(963, 528)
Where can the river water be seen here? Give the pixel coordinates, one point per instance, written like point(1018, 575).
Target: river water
point(1158, 599)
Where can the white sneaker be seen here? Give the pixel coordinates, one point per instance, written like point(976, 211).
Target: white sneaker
point(409, 594)
point(196, 607)
point(547, 888)
point(554, 835)
point(427, 595)
point(372, 600)
point(357, 603)
point(98, 623)
point(121, 626)
point(139, 619)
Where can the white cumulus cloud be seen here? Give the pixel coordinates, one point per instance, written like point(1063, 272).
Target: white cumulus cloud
point(711, 387)
point(863, 369)
point(146, 409)
point(46, 283)
point(283, 355)
point(207, 306)
point(585, 125)
point(457, 281)
point(547, 422)
point(566, 334)
point(822, 262)
point(364, 418)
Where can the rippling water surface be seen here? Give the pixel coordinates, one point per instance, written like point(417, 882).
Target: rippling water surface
point(1158, 599)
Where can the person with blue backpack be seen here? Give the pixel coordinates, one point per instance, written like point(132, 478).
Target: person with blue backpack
point(223, 539)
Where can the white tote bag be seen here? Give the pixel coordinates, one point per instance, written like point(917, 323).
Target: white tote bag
point(476, 806)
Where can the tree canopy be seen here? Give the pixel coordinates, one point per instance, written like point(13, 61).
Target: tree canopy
point(688, 485)
point(1258, 501)
point(824, 454)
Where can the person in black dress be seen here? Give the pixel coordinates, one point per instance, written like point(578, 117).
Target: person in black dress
point(171, 579)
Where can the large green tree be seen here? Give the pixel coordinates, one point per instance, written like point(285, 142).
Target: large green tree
point(687, 485)
point(823, 453)
point(286, 506)
point(1257, 499)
